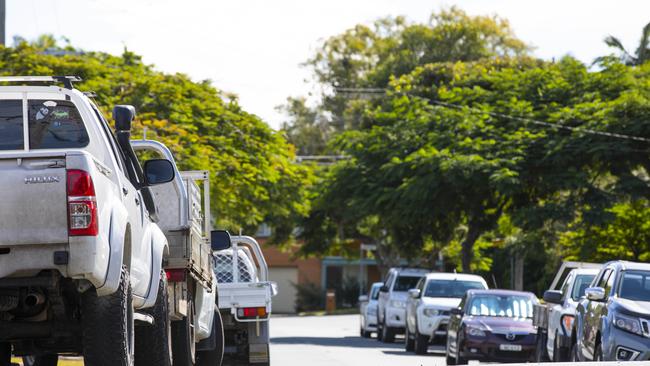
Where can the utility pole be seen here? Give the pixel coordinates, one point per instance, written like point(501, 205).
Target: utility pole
point(3, 16)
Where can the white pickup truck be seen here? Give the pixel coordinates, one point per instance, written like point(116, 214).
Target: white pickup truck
point(245, 295)
point(184, 217)
point(81, 256)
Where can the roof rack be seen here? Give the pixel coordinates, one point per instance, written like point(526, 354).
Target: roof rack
point(66, 80)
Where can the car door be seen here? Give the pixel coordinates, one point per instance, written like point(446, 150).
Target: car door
point(592, 318)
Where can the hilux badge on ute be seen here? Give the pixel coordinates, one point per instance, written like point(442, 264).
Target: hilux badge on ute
point(42, 179)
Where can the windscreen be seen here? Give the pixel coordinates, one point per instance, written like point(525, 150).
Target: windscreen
point(405, 283)
point(11, 125)
point(582, 282)
point(450, 288)
point(374, 293)
point(507, 306)
point(55, 124)
point(635, 286)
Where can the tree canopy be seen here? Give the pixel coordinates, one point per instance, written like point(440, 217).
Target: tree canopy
point(253, 175)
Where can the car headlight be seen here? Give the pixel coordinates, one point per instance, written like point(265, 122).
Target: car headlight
point(397, 304)
point(476, 332)
point(431, 312)
point(567, 323)
point(628, 324)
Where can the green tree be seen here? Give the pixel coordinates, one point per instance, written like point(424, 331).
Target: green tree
point(253, 175)
point(639, 56)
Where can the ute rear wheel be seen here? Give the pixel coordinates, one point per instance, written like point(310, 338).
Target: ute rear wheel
point(184, 338)
point(421, 343)
point(154, 342)
point(43, 360)
point(215, 356)
point(108, 326)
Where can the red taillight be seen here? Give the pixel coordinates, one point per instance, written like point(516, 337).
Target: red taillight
point(82, 205)
point(175, 275)
point(252, 312)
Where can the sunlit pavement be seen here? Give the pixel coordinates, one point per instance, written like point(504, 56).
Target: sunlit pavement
point(335, 340)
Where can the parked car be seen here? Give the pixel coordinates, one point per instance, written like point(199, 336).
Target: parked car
point(391, 305)
point(368, 310)
point(429, 306)
point(554, 319)
point(613, 320)
point(81, 256)
point(492, 326)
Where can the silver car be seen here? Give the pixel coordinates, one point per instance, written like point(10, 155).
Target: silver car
point(368, 310)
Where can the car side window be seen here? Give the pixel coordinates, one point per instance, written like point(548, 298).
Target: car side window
point(420, 285)
point(602, 282)
point(610, 284)
point(566, 285)
point(117, 153)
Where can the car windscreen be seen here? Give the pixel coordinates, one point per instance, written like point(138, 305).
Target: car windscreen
point(581, 284)
point(55, 124)
point(635, 285)
point(507, 306)
point(450, 288)
point(11, 125)
point(374, 294)
point(405, 283)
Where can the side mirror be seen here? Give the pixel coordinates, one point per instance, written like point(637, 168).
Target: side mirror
point(384, 288)
point(553, 297)
point(456, 311)
point(414, 293)
point(595, 293)
point(158, 171)
point(123, 116)
point(220, 240)
point(363, 298)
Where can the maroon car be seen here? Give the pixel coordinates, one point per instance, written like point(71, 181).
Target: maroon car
point(492, 325)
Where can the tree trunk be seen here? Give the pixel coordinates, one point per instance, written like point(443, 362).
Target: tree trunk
point(467, 247)
point(519, 271)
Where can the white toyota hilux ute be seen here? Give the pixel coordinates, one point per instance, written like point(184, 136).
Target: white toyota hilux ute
point(80, 253)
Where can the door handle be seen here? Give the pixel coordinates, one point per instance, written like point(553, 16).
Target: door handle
point(137, 202)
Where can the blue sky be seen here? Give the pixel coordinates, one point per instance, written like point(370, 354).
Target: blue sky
point(254, 48)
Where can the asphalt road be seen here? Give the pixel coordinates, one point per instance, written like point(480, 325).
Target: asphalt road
point(335, 340)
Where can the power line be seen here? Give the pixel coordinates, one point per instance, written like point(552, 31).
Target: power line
point(500, 115)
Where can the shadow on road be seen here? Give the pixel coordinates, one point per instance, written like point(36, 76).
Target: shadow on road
point(352, 342)
point(433, 351)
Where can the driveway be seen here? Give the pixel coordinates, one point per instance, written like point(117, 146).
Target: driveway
point(335, 340)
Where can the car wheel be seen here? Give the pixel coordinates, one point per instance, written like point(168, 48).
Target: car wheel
point(421, 345)
point(153, 343)
point(573, 354)
point(598, 353)
point(108, 325)
point(388, 334)
point(213, 357)
point(380, 331)
point(184, 338)
point(409, 342)
point(43, 360)
point(559, 353)
point(541, 354)
point(450, 359)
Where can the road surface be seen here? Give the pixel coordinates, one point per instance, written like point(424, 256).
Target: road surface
point(334, 340)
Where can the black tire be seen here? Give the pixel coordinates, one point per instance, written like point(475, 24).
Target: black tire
point(421, 344)
point(5, 354)
point(107, 326)
point(409, 343)
point(153, 343)
point(387, 334)
point(573, 354)
point(183, 338)
point(559, 353)
point(449, 358)
point(598, 353)
point(44, 360)
point(214, 357)
point(380, 331)
point(541, 354)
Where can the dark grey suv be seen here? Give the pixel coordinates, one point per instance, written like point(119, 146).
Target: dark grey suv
point(613, 319)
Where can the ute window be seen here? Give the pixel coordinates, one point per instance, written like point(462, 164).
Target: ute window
point(451, 288)
point(581, 284)
point(11, 125)
point(55, 125)
point(405, 283)
point(635, 286)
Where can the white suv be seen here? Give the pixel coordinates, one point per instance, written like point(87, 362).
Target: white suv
point(391, 306)
point(79, 247)
point(429, 305)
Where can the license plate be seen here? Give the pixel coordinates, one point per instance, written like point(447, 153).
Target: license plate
point(510, 347)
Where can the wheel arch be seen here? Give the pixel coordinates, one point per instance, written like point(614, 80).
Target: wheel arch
point(120, 250)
